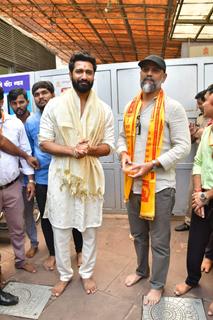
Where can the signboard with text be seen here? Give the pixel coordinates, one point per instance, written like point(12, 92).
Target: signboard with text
point(10, 82)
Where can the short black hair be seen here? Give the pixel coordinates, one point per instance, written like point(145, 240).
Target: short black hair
point(81, 56)
point(43, 84)
point(14, 93)
point(1, 93)
point(210, 89)
point(201, 95)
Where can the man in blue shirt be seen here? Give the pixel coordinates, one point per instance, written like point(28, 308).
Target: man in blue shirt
point(42, 92)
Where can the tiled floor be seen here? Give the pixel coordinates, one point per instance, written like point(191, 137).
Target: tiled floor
point(116, 259)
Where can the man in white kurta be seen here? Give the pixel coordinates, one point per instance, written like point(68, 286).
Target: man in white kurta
point(76, 128)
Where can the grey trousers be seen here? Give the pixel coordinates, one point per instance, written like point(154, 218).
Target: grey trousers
point(11, 202)
point(157, 230)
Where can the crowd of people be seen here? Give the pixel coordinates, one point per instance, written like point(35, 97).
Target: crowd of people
point(52, 156)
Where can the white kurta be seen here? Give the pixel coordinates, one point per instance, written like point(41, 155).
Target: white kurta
point(62, 209)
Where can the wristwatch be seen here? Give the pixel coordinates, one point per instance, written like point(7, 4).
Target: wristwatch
point(154, 162)
point(203, 197)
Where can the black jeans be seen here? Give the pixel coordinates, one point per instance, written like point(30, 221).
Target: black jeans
point(41, 196)
point(78, 240)
point(209, 249)
point(199, 235)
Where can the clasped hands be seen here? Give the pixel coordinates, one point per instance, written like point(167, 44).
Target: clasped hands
point(134, 170)
point(81, 149)
point(198, 204)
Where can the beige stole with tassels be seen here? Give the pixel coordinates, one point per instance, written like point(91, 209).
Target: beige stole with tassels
point(83, 177)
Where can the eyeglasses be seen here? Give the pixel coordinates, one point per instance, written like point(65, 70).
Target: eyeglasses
point(138, 125)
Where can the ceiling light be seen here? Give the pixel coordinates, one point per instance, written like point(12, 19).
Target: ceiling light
point(193, 20)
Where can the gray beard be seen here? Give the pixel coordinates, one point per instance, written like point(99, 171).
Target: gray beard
point(148, 87)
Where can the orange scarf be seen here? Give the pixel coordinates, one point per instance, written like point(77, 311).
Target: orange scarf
point(153, 149)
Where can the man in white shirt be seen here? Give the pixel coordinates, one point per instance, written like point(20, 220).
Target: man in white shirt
point(155, 136)
point(11, 200)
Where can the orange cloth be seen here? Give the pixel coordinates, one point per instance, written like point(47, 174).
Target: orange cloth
point(153, 149)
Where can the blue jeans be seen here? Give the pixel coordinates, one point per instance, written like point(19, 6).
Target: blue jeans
point(30, 224)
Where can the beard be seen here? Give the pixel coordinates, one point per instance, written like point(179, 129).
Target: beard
point(41, 105)
point(148, 85)
point(20, 112)
point(82, 86)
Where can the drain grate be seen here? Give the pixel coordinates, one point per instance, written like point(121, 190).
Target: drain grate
point(171, 308)
point(32, 300)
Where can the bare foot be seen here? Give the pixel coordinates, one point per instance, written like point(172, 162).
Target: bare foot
point(131, 237)
point(153, 297)
point(210, 311)
point(31, 252)
point(59, 288)
point(89, 285)
point(49, 263)
point(132, 279)
point(2, 281)
point(206, 265)
point(29, 267)
point(181, 288)
point(79, 259)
